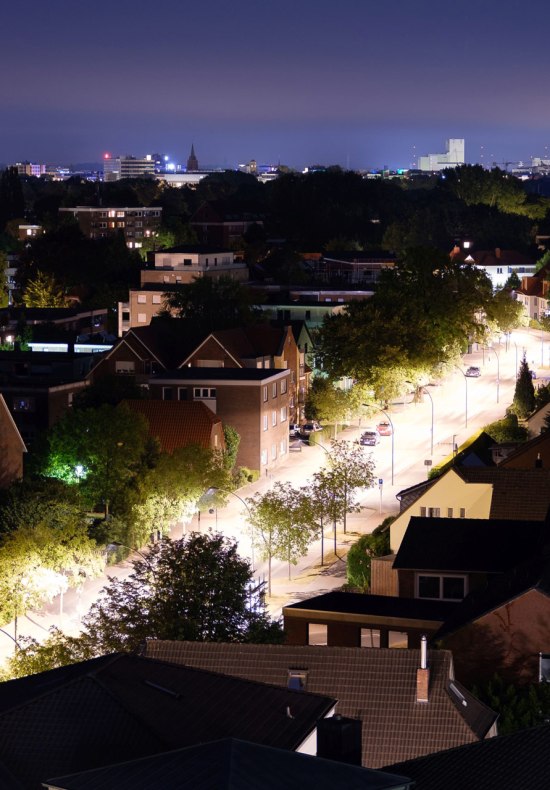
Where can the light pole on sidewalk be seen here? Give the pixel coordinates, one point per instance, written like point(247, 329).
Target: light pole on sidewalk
point(213, 490)
point(466, 395)
point(387, 416)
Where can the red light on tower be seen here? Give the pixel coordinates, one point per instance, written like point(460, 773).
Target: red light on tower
point(106, 156)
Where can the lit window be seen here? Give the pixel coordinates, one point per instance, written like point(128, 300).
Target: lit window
point(265, 422)
point(264, 457)
point(142, 298)
point(273, 418)
point(265, 394)
point(274, 390)
point(283, 386)
point(283, 414)
point(142, 318)
point(156, 299)
point(273, 452)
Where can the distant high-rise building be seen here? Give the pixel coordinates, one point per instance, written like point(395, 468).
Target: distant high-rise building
point(453, 157)
point(192, 162)
point(30, 169)
point(117, 167)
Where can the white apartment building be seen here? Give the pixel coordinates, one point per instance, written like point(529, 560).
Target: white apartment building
point(453, 157)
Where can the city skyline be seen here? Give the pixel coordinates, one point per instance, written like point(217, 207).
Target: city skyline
point(359, 85)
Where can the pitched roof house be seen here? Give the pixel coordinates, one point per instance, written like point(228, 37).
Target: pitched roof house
point(507, 762)
point(380, 687)
point(230, 763)
point(120, 707)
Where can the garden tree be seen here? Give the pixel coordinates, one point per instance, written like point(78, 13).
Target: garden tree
point(325, 401)
point(352, 467)
point(524, 395)
point(12, 202)
point(280, 525)
point(232, 442)
point(360, 555)
point(422, 315)
point(543, 260)
point(197, 589)
point(504, 313)
point(161, 239)
point(207, 304)
point(518, 707)
point(38, 562)
point(512, 282)
point(44, 291)
point(506, 430)
point(102, 450)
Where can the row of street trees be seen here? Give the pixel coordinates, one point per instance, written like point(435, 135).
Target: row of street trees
point(424, 313)
point(286, 520)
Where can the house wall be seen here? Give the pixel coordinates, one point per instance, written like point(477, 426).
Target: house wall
point(506, 641)
point(449, 491)
point(242, 406)
point(384, 580)
point(122, 353)
point(11, 449)
point(536, 422)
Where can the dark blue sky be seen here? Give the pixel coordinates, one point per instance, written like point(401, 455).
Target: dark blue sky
point(357, 83)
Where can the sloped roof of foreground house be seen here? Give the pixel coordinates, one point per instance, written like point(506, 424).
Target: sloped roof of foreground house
point(376, 685)
point(123, 707)
point(231, 764)
point(508, 762)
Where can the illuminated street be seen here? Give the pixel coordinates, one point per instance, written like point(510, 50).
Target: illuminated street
point(412, 444)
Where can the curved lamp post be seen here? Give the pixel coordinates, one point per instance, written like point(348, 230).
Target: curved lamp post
point(465, 395)
point(424, 389)
point(492, 348)
point(213, 490)
point(387, 416)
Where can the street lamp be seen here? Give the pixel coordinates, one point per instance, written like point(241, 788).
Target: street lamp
point(213, 490)
point(465, 395)
point(423, 388)
point(387, 416)
point(491, 348)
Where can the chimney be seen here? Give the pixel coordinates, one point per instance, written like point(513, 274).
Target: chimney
point(538, 462)
point(339, 738)
point(423, 674)
point(497, 252)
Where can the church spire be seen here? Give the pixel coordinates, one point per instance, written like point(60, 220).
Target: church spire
point(192, 162)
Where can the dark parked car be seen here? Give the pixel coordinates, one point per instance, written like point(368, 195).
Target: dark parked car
point(370, 437)
point(473, 372)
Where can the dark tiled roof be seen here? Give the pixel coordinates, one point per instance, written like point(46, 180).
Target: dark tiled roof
point(522, 494)
point(376, 605)
point(168, 339)
point(234, 765)
point(468, 544)
point(125, 707)
point(540, 443)
point(534, 574)
point(508, 762)
point(177, 423)
point(375, 685)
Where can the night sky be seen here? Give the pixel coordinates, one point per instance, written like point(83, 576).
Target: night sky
point(360, 83)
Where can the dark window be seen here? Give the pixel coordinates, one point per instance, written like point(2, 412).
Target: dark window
point(182, 393)
point(428, 587)
point(453, 588)
point(167, 393)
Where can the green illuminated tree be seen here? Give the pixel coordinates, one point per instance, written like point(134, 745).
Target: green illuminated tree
point(524, 395)
point(44, 291)
point(102, 450)
point(281, 525)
